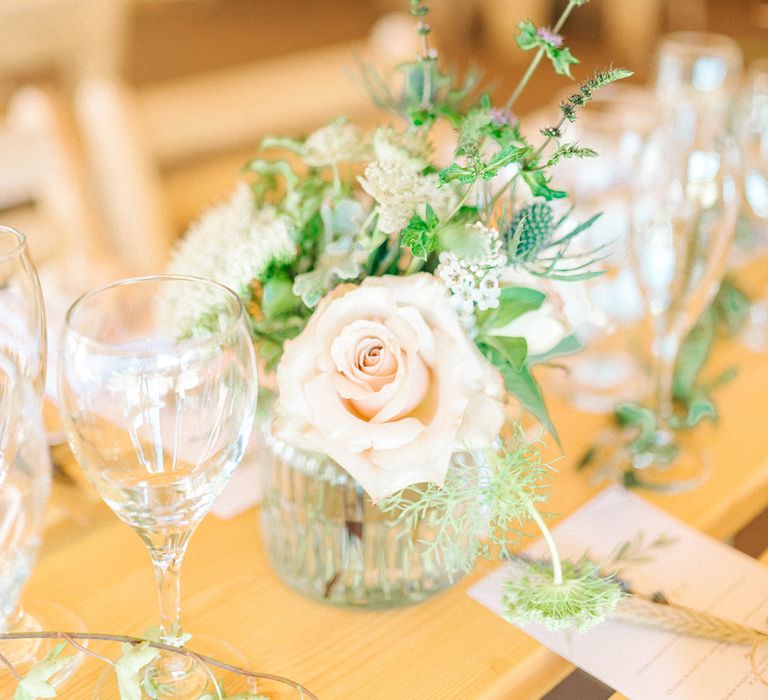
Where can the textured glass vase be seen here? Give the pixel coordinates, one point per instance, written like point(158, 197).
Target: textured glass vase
point(326, 539)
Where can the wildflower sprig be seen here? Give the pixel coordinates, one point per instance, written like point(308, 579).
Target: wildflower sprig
point(476, 512)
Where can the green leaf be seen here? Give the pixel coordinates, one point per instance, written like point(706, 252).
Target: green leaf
point(419, 234)
point(506, 156)
point(562, 59)
point(527, 37)
point(456, 172)
point(36, 682)
point(513, 350)
point(524, 387)
point(513, 302)
point(465, 240)
point(538, 183)
point(129, 666)
point(567, 346)
point(521, 384)
point(581, 227)
point(278, 297)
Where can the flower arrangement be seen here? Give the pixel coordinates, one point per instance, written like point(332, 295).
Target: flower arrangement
point(403, 292)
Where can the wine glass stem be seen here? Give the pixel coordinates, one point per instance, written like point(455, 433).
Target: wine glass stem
point(166, 560)
point(665, 356)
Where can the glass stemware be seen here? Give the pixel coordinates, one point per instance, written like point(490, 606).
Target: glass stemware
point(23, 498)
point(752, 131)
point(22, 317)
point(683, 222)
point(697, 72)
point(158, 406)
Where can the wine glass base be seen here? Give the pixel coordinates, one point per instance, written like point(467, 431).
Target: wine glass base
point(185, 678)
point(686, 468)
point(40, 616)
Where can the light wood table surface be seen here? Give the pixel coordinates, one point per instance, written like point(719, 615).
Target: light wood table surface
point(449, 647)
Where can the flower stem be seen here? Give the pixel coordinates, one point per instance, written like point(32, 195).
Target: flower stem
point(557, 565)
point(537, 58)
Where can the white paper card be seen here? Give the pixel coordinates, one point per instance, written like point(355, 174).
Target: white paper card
point(695, 570)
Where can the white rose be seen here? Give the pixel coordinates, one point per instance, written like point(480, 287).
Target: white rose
point(566, 307)
point(386, 382)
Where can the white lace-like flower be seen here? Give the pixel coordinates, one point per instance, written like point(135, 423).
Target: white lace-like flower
point(337, 142)
point(474, 283)
point(400, 190)
point(231, 243)
point(409, 146)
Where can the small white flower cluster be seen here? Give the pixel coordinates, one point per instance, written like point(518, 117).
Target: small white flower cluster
point(231, 243)
point(474, 283)
point(397, 184)
point(337, 142)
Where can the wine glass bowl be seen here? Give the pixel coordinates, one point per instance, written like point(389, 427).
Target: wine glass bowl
point(157, 381)
point(22, 316)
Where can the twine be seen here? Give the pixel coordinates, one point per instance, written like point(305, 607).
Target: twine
point(694, 623)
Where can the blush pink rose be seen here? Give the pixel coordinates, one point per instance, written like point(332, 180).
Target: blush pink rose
point(385, 381)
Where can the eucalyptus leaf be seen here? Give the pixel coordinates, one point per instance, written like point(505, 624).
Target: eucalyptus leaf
point(513, 302)
point(513, 350)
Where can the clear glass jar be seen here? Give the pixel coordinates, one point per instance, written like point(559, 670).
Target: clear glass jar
point(327, 539)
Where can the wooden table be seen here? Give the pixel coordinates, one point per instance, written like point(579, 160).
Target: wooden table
point(448, 647)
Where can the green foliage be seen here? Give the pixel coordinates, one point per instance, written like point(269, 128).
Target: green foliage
point(538, 184)
point(36, 682)
point(419, 235)
point(513, 303)
point(529, 37)
point(584, 598)
point(220, 694)
point(476, 512)
point(129, 666)
point(570, 150)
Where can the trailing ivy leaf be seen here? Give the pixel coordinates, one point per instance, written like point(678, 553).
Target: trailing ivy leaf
point(129, 666)
point(692, 356)
point(644, 419)
point(570, 150)
point(538, 183)
point(419, 235)
point(36, 682)
point(513, 302)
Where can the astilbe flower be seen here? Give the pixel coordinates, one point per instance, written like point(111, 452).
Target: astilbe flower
point(232, 243)
point(337, 142)
point(474, 282)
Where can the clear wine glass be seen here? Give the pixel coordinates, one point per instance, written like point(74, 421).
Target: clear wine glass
point(752, 239)
point(23, 498)
point(22, 316)
point(683, 221)
point(697, 72)
point(158, 407)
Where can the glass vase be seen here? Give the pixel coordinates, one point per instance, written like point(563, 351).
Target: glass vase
point(326, 538)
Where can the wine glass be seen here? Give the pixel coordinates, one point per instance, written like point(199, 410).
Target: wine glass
point(23, 498)
point(752, 130)
point(22, 317)
point(683, 221)
point(697, 72)
point(158, 406)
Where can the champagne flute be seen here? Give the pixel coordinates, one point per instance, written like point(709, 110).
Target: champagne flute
point(683, 222)
point(158, 412)
point(22, 317)
point(23, 499)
